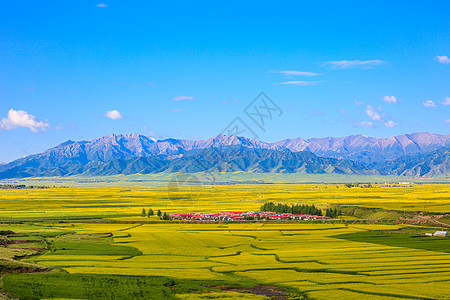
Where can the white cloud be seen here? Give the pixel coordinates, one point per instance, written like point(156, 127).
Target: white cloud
point(448, 122)
point(114, 114)
point(182, 98)
point(352, 64)
point(390, 99)
point(372, 113)
point(177, 110)
point(103, 5)
point(377, 115)
point(296, 73)
point(20, 118)
point(446, 101)
point(390, 124)
point(299, 83)
point(358, 102)
point(443, 59)
point(429, 103)
point(366, 124)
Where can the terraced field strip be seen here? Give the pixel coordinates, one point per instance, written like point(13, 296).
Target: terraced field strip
point(319, 261)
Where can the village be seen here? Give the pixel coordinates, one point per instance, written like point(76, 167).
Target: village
point(244, 216)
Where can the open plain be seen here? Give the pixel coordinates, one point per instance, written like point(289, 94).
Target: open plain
point(94, 241)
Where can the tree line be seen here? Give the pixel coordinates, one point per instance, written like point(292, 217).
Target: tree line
point(350, 185)
point(150, 212)
point(293, 209)
point(21, 186)
point(333, 213)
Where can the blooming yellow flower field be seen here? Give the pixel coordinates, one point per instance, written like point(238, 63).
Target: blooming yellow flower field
point(325, 261)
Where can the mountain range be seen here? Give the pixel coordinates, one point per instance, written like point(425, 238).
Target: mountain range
point(417, 154)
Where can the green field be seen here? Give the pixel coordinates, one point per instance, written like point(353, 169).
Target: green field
point(164, 179)
point(88, 241)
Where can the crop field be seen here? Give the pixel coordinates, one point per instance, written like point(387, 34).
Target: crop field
point(90, 241)
point(320, 261)
point(126, 202)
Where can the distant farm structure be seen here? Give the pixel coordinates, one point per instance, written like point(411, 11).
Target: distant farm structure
point(244, 216)
point(441, 233)
point(268, 212)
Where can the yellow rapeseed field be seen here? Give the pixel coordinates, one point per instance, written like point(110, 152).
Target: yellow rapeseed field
point(309, 257)
point(326, 261)
point(126, 202)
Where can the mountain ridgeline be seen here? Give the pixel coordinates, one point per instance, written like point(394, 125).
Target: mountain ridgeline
point(418, 154)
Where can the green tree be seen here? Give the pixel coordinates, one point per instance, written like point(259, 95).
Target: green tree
point(159, 213)
point(150, 212)
point(143, 212)
point(294, 209)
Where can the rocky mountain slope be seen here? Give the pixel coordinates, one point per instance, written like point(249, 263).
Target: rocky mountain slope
point(224, 159)
point(368, 149)
point(434, 164)
point(416, 154)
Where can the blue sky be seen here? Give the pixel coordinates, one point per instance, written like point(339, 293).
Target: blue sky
point(83, 69)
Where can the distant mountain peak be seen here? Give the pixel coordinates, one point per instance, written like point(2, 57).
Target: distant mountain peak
point(68, 142)
point(74, 157)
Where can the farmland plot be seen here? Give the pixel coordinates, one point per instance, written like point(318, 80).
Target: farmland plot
point(318, 259)
point(125, 203)
point(97, 233)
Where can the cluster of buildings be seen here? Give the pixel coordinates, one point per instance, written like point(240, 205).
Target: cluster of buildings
point(242, 216)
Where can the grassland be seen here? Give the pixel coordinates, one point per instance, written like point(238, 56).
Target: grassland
point(163, 179)
point(89, 241)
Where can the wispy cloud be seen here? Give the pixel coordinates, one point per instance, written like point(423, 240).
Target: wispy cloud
point(390, 124)
point(177, 110)
point(446, 101)
point(20, 118)
point(448, 122)
point(372, 113)
point(290, 73)
point(443, 59)
point(353, 64)
point(183, 98)
point(429, 103)
point(60, 126)
point(230, 101)
point(379, 116)
point(299, 82)
point(103, 5)
point(358, 102)
point(390, 99)
point(365, 124)
point(114, 114)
